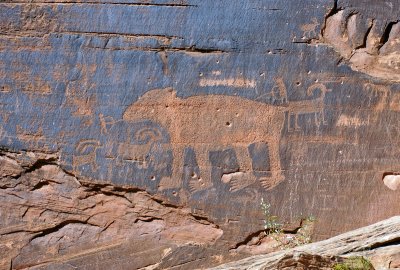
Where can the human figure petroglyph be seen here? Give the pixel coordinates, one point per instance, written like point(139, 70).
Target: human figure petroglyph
point(105, 123)
point(209, 123)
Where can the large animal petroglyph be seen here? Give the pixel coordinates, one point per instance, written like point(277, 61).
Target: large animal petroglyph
point(213, 122)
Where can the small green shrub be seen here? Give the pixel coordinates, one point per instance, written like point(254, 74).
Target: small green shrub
point(354, 263)
point(274, 229)
point(271, 224)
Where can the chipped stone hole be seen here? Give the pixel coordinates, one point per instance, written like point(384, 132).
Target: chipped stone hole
point(391, 180)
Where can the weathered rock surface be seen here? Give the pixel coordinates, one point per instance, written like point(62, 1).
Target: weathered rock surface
point(380, 243)
point(193, 110)
point(368, 42)
point(51, 220)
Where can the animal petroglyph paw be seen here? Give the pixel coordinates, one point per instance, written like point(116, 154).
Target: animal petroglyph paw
point(197, 184)
point(269, 183)
point(238, 180)
point(167, 182)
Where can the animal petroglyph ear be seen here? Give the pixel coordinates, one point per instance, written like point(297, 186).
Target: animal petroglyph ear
point(148, 135)
point(157, 95)
point(86, 146)
point(147, 102)
point(317, 86)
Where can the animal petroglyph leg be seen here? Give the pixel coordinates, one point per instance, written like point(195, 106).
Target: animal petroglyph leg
point(238, 180)
point(276, 171)
point(203, 181)
point(243, 157)
point(245, 176)
point(177, 169)
point(296, 124)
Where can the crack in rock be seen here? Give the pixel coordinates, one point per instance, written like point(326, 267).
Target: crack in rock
point(368, 44)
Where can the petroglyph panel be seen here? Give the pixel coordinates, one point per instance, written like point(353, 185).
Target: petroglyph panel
point(213, 105)
point(209, 123)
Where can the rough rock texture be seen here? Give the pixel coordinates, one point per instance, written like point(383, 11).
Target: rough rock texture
point(368, 42)
point(198, 107)
point(380, 243)
point(51, 219)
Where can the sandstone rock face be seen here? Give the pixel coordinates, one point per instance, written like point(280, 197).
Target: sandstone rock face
point(378, 242)
point(167, 122)
point(50, 220)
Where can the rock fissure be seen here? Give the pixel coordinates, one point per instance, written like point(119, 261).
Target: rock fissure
point(368, 44)
point(100, 3)
point(386, 34)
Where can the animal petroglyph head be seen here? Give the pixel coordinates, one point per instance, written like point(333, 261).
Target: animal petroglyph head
point(318, 86)
point(150, 104)
point(86, 147)
point(141, 144)
point(148, 135)
point(85, 153)
point(147, 147)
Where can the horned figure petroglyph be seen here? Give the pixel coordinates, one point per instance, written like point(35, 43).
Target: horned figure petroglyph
point(142, 152)
point(213, 122)
point(85, 154)
point(315, 106)
point(309, 28)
